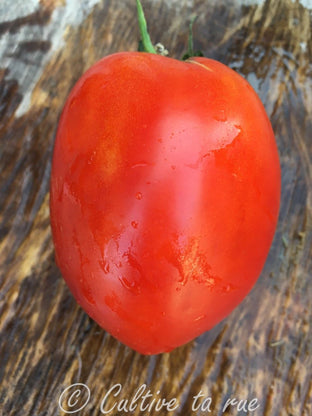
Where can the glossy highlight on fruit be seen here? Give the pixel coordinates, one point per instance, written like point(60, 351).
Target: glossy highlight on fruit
point(165, 194)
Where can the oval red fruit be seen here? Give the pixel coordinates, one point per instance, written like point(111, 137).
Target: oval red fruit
point(165, 195)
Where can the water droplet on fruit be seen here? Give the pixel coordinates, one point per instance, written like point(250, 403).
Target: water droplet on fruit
point(227, 288)
point(200, 318)
point(134, 224)
point(139, 195)
point(130, 285)
point(139, 165)
point(104, 266)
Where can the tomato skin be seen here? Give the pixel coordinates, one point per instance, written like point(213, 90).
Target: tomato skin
point(165, 194)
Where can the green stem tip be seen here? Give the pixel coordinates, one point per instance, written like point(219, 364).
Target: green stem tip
point(190, 50)
point(146, 40)
point(190, 39)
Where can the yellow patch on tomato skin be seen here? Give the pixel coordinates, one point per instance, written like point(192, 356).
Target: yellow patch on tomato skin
point(108, 158)
point(191, 263)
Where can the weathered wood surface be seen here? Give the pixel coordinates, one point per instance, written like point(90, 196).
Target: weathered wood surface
point(263, 349)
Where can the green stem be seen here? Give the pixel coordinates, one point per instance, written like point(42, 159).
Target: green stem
point(190, 51)
point(146, 40)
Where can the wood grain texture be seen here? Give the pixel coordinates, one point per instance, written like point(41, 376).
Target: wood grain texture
point(263, 349)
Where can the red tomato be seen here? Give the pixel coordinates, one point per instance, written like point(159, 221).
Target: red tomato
point(165, 195)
